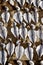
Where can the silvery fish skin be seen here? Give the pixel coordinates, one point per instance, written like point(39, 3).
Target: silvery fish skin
point(19, 51)
point(23, 32)
point(19, 62)
point(31, 62)
point(3, 32)
point(32, 35)
point(29, 53)
point(39, 50)
point(21, 2)
point(18, 17)
point(5, 16)
point(35, 16)
point(27, 17)
point(15, 30)
point(10, 48)
point(41, 62)
point(3, 57)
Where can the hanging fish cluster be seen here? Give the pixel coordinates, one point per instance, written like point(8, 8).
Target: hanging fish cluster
point(21, 32)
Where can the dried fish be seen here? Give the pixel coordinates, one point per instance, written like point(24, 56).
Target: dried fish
point(27, 17)
point(3, 57)
point(23, 31)
point(35, 16)
point(10, 48)
point(19, 51)
point(5, 16)
point(18, 17)
point(29, 53)
point(39, 50)
point(32, 35)
point(15, 30)
point(3, 32)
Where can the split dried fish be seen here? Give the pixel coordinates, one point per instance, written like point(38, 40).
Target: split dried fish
point(3, 31)
point(27, 17)
point(15, 30)
point(23, 31)
point(19, 51)
point(32, 35)
point(39, 50)
point(29, 53)
point(35, 16)
point(10, 48)
point(3, 57)
point(18, 17)
point(5, 16)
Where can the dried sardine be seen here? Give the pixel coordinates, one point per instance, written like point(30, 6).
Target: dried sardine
point(23, 31)
point(3, 32)
point(32, 35)
point(15, 30)
point(27, 17)
point(10, 48)
point(29, 53)
point(19, 51)
point(39, 50)
point(3, 57)
point(5, 16)
point(18, 17)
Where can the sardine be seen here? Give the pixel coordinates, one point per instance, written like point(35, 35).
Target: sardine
point(23, 32)
point(15, 30)
point(10, 48)
point(18, 17)
point(3, 32)
point(19, 51)
point(3, 57)
point(29, 53)
point(39, 50)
